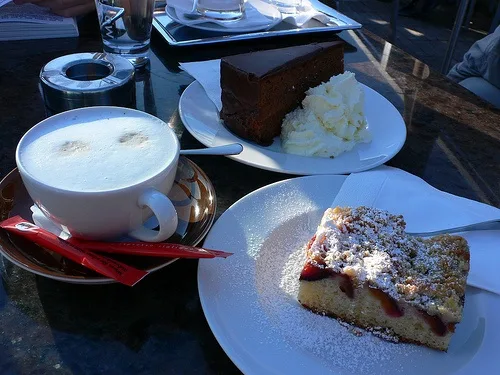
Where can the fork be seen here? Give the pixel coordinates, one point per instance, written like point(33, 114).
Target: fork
point(484, 225)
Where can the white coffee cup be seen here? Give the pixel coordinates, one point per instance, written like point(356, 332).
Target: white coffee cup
point(101, 172)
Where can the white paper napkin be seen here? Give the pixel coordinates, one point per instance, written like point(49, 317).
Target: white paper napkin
point(207, 73)
point(182, 6)
point(427, 209)
point(44, 222)
point(305, 13)
point(253, 16)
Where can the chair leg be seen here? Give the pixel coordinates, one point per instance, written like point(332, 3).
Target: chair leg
point(470, 13)
point(340, 5)
point(394, 21)
point(496, 19)
point(452, 42)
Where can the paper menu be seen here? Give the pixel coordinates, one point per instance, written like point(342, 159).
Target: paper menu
point(30, 13)
point(29, 21)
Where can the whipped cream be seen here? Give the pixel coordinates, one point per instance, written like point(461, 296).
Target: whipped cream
point(330, 121)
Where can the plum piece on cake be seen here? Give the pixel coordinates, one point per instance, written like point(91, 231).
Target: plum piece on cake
point(362, 268)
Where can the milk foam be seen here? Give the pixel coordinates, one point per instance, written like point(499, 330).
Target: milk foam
point(98, 154)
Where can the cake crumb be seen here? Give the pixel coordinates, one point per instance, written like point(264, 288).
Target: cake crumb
point(356, 331)
point(384, 333)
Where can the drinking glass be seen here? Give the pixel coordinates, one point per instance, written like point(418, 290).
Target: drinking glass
point(126, 28)
point(221, 9)
point(287, 6)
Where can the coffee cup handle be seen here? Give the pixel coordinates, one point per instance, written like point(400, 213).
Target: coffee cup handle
point(164, 211)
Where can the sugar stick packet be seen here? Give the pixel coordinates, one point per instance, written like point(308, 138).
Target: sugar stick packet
point(103, 265)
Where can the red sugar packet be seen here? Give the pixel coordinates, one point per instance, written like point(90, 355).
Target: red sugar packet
point(101, 264)
point(156, 249)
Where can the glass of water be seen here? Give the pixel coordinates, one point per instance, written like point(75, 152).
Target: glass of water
point(287, 6)
point(126, 28)
point(225, 10)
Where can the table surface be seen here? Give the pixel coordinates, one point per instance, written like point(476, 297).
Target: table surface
point(158, 326)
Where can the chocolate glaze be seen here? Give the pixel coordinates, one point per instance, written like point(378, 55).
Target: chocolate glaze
point(257, 65)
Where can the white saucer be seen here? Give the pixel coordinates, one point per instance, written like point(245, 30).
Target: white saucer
point(239, 26)
point(257, 320)
point(201, 119)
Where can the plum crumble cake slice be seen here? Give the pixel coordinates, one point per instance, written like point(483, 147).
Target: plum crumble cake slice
point(362, 268)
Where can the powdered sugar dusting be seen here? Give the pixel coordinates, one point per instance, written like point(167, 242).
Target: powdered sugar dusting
point(256, 233)
point(250, 299)
point(280, 261)
point(370, 245)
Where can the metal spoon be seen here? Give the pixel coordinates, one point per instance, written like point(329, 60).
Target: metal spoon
point(231, 149)
point(485, 225)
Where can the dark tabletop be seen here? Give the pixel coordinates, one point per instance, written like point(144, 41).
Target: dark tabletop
point(158, 326)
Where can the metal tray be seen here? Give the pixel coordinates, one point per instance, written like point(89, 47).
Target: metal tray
point(179, 35)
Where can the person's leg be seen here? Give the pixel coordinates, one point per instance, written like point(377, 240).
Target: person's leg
point(483, 89)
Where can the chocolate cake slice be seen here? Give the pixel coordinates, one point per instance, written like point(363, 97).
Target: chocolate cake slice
point(260, 88)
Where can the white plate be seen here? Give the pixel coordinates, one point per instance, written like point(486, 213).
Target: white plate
point(239, 26)
point(201, 119)
point(265, 331)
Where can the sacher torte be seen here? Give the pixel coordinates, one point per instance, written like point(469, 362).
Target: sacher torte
point(260, 88)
